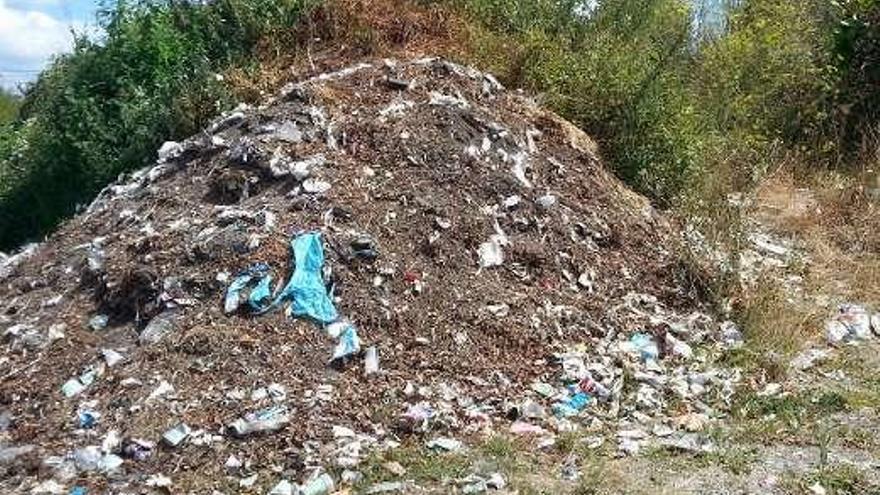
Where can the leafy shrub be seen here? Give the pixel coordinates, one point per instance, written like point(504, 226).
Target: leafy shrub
point(8, 106)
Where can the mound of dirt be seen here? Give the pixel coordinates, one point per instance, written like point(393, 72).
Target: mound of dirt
point(470, 236)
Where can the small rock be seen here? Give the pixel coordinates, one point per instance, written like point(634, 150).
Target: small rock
point(447, 444)
point(809, 358)
point(817, 489)
point(546, 201)
point(99, 322)
point(395, 468)
point(158, 328)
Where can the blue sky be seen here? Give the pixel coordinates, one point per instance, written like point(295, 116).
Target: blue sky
point(31, 31)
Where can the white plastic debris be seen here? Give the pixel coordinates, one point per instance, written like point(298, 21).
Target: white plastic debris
point(175, 436)
point(438, 99)
point(299, 170)
point(56, 332)
point(546, 201)
point(169, 151)
point(511, 201)
point(446, 444)
point(498, 310)
point(371, 361)
point(266, 420)
point(164, 388)
point(283, 487)
point(111, 357)
point(315, 186)
point(159, 481)
point(491, 252)
point(851, 322)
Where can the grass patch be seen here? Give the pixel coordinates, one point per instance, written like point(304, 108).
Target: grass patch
point(789, 418)
point(840, 479)
point(422, 465)
point(737, 460)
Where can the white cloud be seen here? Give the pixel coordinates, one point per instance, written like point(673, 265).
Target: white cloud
point(28, 39)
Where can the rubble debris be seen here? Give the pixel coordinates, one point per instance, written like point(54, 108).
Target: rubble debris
point(320, 485)
point(159, 327)
point(266, 420)
point(366, 225)
point(851, 323)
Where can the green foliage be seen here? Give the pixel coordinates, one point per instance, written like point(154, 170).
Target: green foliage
point(104, 109)
point(856, 39)
point(9, 104)
point(680, 112)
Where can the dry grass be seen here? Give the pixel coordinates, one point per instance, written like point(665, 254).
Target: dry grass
point(340, 31)
point(838, 222)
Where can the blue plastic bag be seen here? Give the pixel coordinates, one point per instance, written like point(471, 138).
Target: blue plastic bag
point(306, 287)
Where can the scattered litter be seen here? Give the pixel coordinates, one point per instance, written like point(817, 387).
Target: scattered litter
point(371, 361)
point(491, 252)
point(99, 322)
point(321, 485)
point(88, 418)
point(175, 436)
point(546, 201)
point(446, 444)
point(645, 345)
point(159, 481)
point(283, 487)
point(266, 420)
point(111, 357)
point(164, 388)
point(851, 323)
point(315, 186)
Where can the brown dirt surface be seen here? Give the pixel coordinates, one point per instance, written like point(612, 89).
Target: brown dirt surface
point(399, 176)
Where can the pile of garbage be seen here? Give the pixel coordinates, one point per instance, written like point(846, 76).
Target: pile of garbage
point(395, 252)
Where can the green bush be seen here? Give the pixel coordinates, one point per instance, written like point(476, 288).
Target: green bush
point(105, 108)
point(8, 106)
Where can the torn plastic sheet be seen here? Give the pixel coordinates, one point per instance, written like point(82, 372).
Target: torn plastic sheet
point(305, 291)
point(347, 341)
point(253, 274)
point(306, 287)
